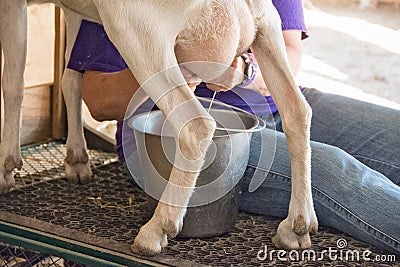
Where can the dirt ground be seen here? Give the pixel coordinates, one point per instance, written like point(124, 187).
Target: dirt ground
point(353, 52)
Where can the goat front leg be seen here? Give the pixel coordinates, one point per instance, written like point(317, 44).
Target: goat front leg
point(13, 30)
point(269, 48)
point(194, 129)
point(77, 165)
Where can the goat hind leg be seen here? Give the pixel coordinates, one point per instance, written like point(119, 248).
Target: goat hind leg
point(13, 30)
point(77, 165)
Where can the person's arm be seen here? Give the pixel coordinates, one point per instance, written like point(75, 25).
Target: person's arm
point(294, 52)
point(293, 49)
point(233, 76)
point(107, 95)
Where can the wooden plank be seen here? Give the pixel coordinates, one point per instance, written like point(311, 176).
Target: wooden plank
point(59, 128)
point(36, 116)
point(40, 53)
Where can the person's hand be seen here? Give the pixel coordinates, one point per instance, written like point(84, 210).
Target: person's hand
point(191, 79)
point(259, 85)
point(230, 78)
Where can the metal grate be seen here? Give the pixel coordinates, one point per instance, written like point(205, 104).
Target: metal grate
point(12, 256)
point(43, 163)
point(108, 213)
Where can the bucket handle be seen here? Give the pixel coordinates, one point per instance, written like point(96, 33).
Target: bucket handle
point(260, 126)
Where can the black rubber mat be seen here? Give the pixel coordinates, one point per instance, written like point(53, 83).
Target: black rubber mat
point(109, 212)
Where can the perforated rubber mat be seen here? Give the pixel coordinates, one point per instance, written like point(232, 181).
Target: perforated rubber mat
point(108, 213)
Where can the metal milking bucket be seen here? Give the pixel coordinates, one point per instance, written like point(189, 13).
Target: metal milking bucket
point(213, 207)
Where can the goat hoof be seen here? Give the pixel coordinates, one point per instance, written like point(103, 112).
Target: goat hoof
point(11, 163)
point(150, 241)
point(286, 237)
point(172, 228)
point(7, 180)
point(78, 173)
point(77, 166)
point(299, 225)
point(74, 158)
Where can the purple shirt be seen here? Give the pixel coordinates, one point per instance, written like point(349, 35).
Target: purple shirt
point(94, 51)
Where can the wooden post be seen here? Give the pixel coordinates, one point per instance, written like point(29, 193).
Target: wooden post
point(59, 128)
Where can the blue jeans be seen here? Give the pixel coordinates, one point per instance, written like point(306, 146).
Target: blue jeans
point(355, 169)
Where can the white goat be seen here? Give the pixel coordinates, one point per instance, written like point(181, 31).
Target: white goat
point(167, 32)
